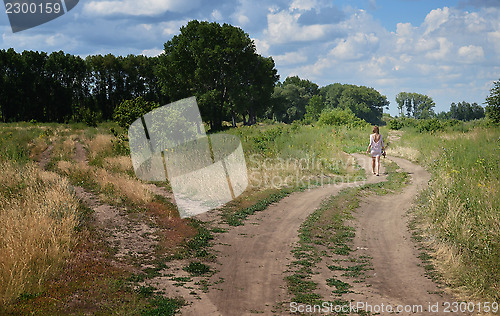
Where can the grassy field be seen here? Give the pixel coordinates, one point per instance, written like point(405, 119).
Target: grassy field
point(45, 266)
point(459, 214)
point(64, 264)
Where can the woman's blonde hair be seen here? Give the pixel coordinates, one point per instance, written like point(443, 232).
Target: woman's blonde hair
point(375, 129)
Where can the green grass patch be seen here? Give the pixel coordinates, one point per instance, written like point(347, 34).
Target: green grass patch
point(163, 306)
point(197, 268)
point(458, 211)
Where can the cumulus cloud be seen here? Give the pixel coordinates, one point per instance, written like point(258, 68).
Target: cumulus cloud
point(139, 7)
point(435, 19)
point(152, 52)
point(471, 53)
point(291, 58)
point(303, 4)
point(283, 27)
point(328, 15)
point(356, 46)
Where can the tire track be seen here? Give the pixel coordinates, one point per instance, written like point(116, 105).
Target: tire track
point(252, 258)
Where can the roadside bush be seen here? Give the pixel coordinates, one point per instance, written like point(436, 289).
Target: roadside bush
point(338, 117)
point(395, 124)
point(431, 126)
point(130, 110)
point(86, 116)
point(401, 122)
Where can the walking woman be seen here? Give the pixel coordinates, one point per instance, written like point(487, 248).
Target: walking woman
point(376, 148)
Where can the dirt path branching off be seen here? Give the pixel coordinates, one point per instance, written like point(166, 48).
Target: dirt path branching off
point(253, 259)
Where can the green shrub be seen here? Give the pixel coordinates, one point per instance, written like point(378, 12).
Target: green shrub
point(87, 116)
point(431, 126)
point(395, 124)
point(338, 117)
point(130, 110)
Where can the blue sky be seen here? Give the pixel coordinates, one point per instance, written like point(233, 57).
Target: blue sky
point(448, 50)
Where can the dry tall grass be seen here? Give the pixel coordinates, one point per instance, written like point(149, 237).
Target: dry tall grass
point(37, 220)
point(101, 143)
point(133, 190)
point(112, 185)
point(119, 163)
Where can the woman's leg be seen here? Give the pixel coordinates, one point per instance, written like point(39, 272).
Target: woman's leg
point(373, 165)
point(378, 165)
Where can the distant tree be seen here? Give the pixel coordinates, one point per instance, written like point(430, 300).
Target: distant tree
point(314, 108)
point(289, 103)
point(366, 103)
point(61, 87)
point(130, 110)
point(290, 99)
point(416, 105)
point(254, 97)
point(403, 99)
point(465, 111)
point(311, 89)
point(493, 101)
point(443, 115)
point(332, 94)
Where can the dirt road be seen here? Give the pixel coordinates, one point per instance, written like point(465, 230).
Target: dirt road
point(397, 279)
point(253, 257)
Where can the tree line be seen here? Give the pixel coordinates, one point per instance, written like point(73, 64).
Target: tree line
point(216, 63)
point(60, 87)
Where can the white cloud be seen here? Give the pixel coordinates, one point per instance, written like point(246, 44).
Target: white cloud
point(262, 46)
point(152, 52)
point(171, 28)
point(290, 58)
point(216, 15)
point(355, 46)
point(284, 28)
point(139, 7)
point(435, 19)
point(471, 53)
point(303, 4)
point(494, 39)
point(444, 48)
point(243, 19)
point(38, 42)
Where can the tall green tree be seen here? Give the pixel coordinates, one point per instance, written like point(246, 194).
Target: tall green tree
point(366, 103)
point(290, 99)
point(415, 105)
point(219, 65)
point(493, 100)
point(332, 94)
point(314, 108)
